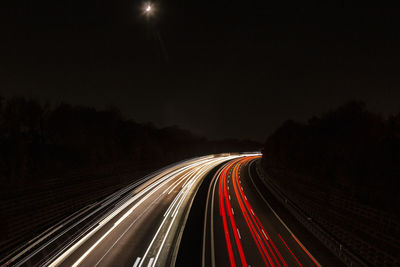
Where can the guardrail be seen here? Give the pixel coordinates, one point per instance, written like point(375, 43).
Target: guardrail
point(335, 246)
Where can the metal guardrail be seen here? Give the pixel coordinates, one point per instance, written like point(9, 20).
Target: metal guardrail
point(336, 247)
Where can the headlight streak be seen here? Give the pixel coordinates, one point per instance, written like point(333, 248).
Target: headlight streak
point(43, 236)
point(181, 196)
point(159, 181)
point(196, 169)
point(176, 198)
point(189, 186)
point(97, 221)
point(170, 226)
point(105, 202)
point(126, 230)
point(177, 182)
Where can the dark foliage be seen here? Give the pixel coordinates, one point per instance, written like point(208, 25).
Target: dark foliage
point(37, 141)
point(349, 147)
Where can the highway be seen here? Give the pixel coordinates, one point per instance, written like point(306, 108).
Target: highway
point(138, 232)
point(139, 226)
point(242, 229)
point(142, 224)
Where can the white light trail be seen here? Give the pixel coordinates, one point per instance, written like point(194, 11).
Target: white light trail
point(197, 168)
point(181, 196)
point(160, 180)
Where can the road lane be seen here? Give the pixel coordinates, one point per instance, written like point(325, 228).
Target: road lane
point(253, 234)
point(140, 225)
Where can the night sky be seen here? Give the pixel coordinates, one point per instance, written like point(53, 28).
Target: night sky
point(218, 68)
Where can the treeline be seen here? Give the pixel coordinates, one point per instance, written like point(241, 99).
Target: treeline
point(38, 140)
point(349, 147)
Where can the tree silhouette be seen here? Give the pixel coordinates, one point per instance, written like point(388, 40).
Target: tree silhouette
point(38, 141)
point(349, 146)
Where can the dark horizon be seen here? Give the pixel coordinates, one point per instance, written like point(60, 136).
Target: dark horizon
point(220, 70)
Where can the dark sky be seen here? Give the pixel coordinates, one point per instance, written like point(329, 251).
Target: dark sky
point(218, 68)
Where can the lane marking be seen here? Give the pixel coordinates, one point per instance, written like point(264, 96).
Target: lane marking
point(253, 223)
point(130, 226)
point(150, 262)
point(218, 175)
point(182, 196)
point(152, 188)
point(136, 261)
point(224, 190)
point(238, 233)
point(222, 185)
point(200, 173)
point(264, 234)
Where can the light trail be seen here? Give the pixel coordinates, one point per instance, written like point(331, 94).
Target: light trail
point(234, 236)
point(126, 215)
point(225, 224)
point(291, 252)
point(281, 221)
point(211, 190)
point(157, 182)
point(254, 219)
point(250, 225)
point(72, 219)
point(224, 196)
point(94, 234)
point(174, 208)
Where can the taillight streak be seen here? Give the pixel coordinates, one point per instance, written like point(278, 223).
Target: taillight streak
point(226, 207)
point(261, 231)
point(256, 236)
point(225, 223)
point(291, 252)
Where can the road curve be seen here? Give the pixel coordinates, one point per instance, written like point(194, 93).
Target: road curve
point(145, 230)
point(241, 230)
point(140, 225)
point(143, 223)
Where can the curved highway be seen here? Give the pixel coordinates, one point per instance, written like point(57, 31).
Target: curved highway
point(145, 230)
point(242, 229)
point(143, 224)
point(140, 225)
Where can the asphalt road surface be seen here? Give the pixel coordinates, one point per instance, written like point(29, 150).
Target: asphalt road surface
point(242, 229)
point(142, 224)
point(145, 230)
